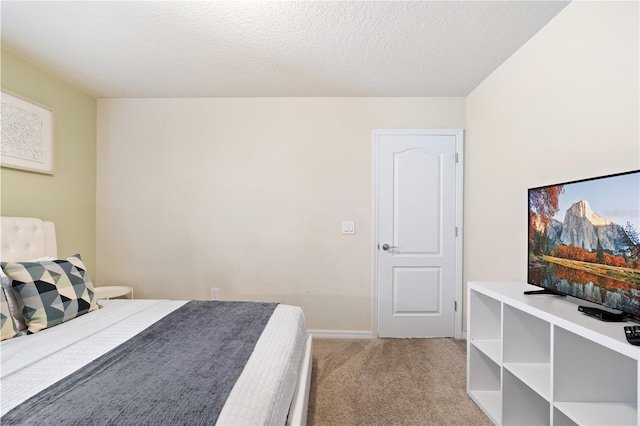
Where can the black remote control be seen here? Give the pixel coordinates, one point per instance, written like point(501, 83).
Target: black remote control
point(632, 332)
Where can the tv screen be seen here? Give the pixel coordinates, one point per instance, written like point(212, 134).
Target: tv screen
point(584, 240)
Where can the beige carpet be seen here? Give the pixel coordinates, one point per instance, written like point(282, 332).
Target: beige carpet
point(391, 382)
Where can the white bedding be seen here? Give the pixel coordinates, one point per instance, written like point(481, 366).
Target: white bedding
point(261, 395)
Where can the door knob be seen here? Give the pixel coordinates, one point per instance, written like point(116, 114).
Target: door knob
point(386, 247)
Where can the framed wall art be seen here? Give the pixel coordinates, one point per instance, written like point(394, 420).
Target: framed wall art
point(27, 141)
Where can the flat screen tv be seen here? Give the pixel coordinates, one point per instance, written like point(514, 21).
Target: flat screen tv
point(584, 240)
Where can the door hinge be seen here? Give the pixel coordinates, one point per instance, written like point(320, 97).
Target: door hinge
point(455, 305)
point(456, 231)
point(457, 159)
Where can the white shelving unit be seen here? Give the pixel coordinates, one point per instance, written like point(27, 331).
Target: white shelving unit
point(537, 360)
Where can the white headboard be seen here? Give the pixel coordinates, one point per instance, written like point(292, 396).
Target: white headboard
point(26, 238)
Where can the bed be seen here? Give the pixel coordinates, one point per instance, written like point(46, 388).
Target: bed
point(149, 361)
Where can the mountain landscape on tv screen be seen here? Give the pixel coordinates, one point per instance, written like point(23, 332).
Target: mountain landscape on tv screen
point(586, 255)
point(584, 228)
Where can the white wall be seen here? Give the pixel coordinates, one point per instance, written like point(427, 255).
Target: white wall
point(564, 107)
point(248, 195)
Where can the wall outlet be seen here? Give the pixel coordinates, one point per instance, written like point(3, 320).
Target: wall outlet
point(214, 294)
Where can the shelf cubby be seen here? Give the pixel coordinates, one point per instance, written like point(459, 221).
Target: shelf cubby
point(485, 333)
point(527, 349)
point(484, 383)
point(592, 377)
point(521, 405)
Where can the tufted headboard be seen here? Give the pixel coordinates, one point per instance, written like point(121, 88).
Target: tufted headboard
point(26, 238)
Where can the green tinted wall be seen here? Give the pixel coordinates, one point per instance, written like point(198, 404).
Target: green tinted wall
point(68, 198)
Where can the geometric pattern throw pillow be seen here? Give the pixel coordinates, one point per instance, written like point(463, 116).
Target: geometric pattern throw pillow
point(7, 324)
point(51, 292)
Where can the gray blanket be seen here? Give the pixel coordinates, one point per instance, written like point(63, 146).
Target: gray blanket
point(178, 371)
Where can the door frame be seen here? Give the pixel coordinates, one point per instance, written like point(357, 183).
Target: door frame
point(459, 136)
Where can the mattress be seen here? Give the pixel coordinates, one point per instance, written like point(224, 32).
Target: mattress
point(261, 395)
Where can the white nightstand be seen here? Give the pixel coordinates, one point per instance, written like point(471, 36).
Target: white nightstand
point(110, 292)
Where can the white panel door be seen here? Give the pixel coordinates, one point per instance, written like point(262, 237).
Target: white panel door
point(416, 230)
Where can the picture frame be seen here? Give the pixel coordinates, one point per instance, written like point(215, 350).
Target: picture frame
point(27, 141)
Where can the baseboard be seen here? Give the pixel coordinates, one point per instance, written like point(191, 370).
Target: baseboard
point(351, 334)
point(341, 334)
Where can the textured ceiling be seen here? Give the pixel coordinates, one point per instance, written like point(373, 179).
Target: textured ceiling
point(269, 48)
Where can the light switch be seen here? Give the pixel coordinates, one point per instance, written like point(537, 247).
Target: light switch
point(348, 228)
